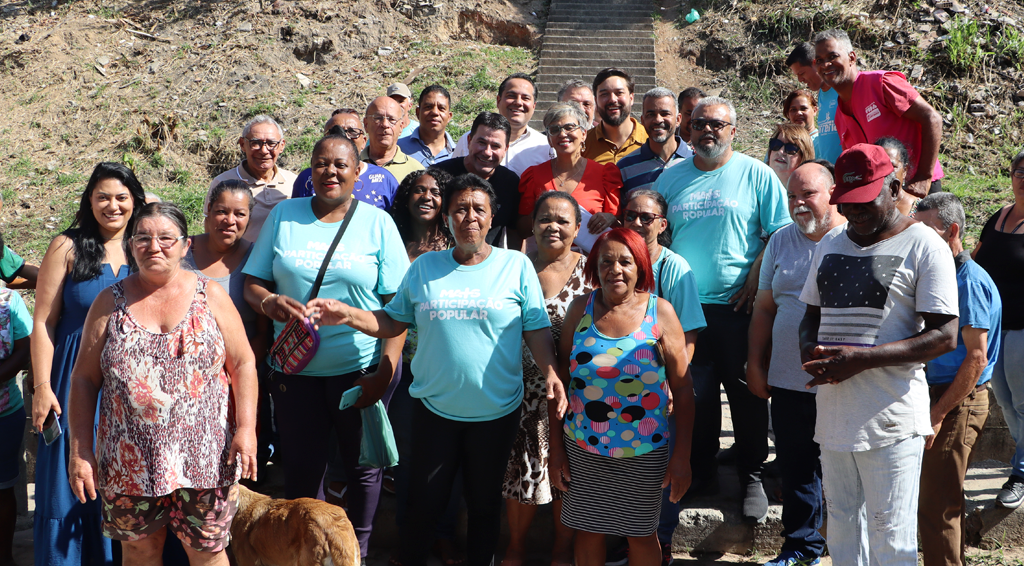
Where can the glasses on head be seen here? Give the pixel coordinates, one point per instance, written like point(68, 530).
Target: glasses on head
point(259, 144)
point(645, 217)
point(700, 124)
point(353, 133)
point(775, 144)
point(1018, 173)
point(381, 119)
point(564, 128)
point(165, 242)
point(420, 191)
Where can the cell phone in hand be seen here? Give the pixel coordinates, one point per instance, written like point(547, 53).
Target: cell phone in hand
point(51, 428)
point(350, 397)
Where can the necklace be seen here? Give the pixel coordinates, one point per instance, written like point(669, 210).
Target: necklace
point(570, 174)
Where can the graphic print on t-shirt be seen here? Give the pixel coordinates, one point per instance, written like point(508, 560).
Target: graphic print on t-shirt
point(854, 291)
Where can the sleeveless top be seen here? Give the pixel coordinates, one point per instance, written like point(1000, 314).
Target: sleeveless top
point(617, 390)
point(1002, 256)
point(165, 421)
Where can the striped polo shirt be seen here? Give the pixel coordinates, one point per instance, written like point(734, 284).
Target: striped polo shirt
point(642, 168)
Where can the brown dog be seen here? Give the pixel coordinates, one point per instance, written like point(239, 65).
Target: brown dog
point(300, 532)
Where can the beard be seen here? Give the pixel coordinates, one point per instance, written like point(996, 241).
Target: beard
point(815, 225)
point(616, 121)
point(713, 152)
point(662, 136)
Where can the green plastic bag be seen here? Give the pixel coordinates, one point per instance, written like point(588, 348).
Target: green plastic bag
point(377, 449)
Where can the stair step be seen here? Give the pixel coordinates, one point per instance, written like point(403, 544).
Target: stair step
point(611, 37)
point(645, 68)
point(606, 24)
point(635, 60)
point(560, 13)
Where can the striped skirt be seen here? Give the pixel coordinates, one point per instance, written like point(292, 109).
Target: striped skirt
point(615, 496)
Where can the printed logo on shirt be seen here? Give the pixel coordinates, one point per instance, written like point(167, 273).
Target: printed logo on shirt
point(376, 177)
point(313, 256)
point(461, 304)
point(872, 111)
point(826, 127)
point(704, 203)
point(854, 291)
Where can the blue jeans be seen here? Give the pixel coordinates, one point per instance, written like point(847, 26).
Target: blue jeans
point(793, 417)
point(1008, 385)
point(872, 503)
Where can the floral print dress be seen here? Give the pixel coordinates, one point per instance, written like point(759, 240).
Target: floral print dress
point(526, 477)
point(165, 416)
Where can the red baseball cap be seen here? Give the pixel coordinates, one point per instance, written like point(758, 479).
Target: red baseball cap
point(860, 174)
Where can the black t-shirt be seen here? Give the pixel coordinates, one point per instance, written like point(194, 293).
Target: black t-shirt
point(506, 186)
point(1002, 256)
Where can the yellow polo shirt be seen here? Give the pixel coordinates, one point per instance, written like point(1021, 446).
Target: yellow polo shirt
point(602, 150)
point(399, 166)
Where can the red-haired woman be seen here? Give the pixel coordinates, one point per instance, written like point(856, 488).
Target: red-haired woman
point(625, 355)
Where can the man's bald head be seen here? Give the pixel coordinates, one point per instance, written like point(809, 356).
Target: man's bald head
point(809, 190)
point(383, 122)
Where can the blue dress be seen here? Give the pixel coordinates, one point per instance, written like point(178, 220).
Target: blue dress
point(67, 532)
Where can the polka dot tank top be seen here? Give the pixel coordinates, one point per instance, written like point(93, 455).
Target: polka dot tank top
point(617, 390)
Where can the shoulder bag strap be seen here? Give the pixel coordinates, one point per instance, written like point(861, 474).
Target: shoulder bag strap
point(330, 251)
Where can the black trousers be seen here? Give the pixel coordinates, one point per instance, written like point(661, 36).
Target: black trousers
point(440, 447)
point(720, 360)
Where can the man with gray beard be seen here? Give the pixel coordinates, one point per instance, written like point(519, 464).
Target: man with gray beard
point(773, 358)
point(721, 203)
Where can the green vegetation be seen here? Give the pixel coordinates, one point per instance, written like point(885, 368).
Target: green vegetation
point(73, 180)
point(301, 147)
point(981, 196)
point(964, 45)
point(1010, 44)
point(189, 198)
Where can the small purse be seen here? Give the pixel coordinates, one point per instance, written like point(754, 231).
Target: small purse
point(295, 347)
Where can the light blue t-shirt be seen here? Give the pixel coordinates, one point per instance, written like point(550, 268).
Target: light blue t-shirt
point(470, 320)
point(980, 307)
point(719, 217)
point(369, 262)
point(15, 324)
point(827, 145)
point(675, 282)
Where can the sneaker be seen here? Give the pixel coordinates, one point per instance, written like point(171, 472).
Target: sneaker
point(617, 555)
point(755, 503)
point(1012, 493)
point(666, 554)
point(792, 558)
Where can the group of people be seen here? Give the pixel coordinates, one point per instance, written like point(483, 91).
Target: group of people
point(550, 317)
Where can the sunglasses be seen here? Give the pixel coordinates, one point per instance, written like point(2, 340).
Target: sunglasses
point(699, 124)
point(775, 144)
point(566, 128)
point(645, 217)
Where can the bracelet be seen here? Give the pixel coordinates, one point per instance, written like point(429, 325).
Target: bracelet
point(38, 385)
point(263, 302)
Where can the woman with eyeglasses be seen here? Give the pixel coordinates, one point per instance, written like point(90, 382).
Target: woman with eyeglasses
point(595, 186)
point(788, 147)
point(1000, 251)
point(376, 185)
point(164, 354)
point(86, 258)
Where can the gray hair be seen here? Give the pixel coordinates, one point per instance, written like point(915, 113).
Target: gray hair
point(825, 172)
point(570, 85)
point(717, 101)
point(948, 207)
point(261, 119)
point(560, 109)
point(659, 92)
point(839, 36)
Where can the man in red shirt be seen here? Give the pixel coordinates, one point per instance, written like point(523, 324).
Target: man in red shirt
point(875, 104)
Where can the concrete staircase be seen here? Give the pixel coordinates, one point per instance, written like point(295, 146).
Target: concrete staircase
point(583, 37)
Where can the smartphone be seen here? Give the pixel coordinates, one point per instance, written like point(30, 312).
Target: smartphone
point(51, 428)
point(350, 397)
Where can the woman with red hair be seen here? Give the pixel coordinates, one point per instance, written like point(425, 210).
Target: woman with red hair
point(623, 364)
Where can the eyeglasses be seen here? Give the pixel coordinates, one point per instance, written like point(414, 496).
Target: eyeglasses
point(564, 128)
point(1018, 173)
point(259, 144)
point(645, 217)
point(699, 124)
point(775, 144)
point(380, 119)
point(353, 133)
point(165, 242)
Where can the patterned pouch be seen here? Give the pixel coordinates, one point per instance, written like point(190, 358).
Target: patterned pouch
point(295, 346)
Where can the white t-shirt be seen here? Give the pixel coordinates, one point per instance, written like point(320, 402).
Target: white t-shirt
point(870, 296)
point(787, 259)
point(530, 149)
